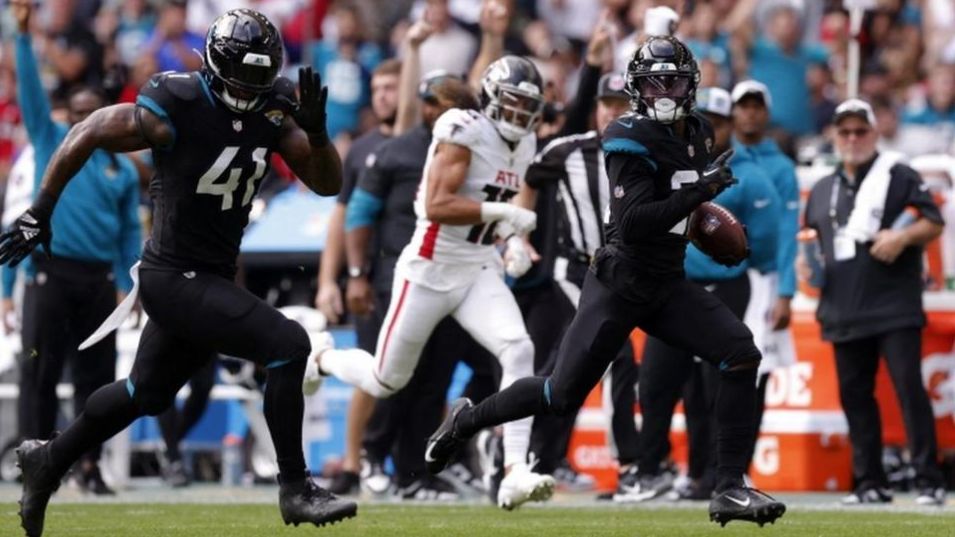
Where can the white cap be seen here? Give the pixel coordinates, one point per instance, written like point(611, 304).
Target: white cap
point(714, 101)
point(752, 87)
point(857, 108)
point(660, 21)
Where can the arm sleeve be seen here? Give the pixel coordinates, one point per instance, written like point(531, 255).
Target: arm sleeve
point(130, 233)
point(9, 277)
point(788, 226)
point(34, 104)
point(363, 209)
point(578, 111)
point(632, 206)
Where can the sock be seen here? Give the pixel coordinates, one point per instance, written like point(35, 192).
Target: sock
point(735, 414)
point(284, 413)
point(356, 368)
point(521, 399)
point(108, 411)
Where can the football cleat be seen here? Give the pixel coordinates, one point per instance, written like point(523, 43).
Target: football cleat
point(521, 485)
point(643, 488)
point(313, 377)
point(304, 501)
point(40, 481)
point(429, 488)
point(374, 479)
point(175, 475)
point(744, 503)
point(444, 443)
point(931, 496)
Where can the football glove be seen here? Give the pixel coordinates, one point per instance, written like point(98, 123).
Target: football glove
point(511, 219)
point(718, 176)
point(517, 260)
point(28, 231)
point(310, 113)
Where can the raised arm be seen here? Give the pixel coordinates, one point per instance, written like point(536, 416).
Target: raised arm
point(408, 108)
point(304, 144)
point(495, 16)
point(34, 104)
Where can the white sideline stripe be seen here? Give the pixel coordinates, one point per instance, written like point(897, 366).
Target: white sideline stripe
point(774, 421)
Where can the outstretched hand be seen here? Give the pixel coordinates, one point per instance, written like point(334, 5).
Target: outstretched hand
point(310, 114)
point(27, 232)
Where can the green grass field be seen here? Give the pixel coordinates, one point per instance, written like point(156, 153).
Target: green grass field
point(384, 520)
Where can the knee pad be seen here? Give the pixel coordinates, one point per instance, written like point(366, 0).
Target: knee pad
point(517, 358)
point(741, 358)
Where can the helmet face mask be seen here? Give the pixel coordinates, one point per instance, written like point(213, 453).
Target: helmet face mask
point(662, 78)
point(511, 97)
point(243, 55)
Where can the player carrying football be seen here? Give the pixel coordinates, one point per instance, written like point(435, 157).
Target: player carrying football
point(212, 134)
point(660, 168)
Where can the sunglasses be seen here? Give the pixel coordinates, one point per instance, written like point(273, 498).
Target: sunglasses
point(860, 132)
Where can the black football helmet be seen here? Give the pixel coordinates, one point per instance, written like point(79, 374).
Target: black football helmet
point(512, 96)
point(242, 59)
point(662, 78)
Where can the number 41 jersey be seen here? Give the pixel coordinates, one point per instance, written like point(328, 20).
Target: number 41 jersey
point(443, 256)
point(206, 179)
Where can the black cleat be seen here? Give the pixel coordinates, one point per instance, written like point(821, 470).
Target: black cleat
point(91, 481)
point(40, 481)
point(444, 443)
point(304, 501)
point(744, 503)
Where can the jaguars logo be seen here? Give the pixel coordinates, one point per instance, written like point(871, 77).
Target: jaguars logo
point(275, 116)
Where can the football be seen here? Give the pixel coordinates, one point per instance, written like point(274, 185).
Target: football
point(718, 234)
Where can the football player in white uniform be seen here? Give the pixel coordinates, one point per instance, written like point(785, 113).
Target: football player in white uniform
point(476, 163)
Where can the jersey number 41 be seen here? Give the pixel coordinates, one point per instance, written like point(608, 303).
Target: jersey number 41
point(208, 185)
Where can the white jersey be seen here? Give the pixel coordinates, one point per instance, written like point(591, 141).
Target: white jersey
point(443, 256)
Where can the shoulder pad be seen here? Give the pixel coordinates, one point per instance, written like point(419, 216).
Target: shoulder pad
point(458, 126)
point(628, 134)
point(184, 86)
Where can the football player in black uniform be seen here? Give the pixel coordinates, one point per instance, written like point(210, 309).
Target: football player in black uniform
point(212, 133)
point(660, 168)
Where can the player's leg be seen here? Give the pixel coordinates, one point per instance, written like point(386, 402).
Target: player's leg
point(175, 423)
point(412, 315)
point(902, 351)
point(601, 325)
point(695, 320)
point(214, 313)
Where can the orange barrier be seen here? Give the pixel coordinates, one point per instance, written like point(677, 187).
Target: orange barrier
point(803, 444)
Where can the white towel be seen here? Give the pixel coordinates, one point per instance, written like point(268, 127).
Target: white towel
point(122, 311)
point(866, 217)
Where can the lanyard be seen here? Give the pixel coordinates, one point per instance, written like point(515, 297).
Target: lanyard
point(833, 202)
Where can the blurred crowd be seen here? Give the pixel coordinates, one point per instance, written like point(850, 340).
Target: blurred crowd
point(797, 47)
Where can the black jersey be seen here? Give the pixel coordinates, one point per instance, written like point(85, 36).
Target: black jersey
point(205, 180)
point(647, 164)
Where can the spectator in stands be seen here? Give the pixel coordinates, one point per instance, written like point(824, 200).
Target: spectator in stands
point(171, 43)
point(450, 48)
point(938, 105)
point(71, 49)
point(129, 25)
point(780, 60)
point(710, 44)
point(871, 296)
point(96, 239)
point(346, 63)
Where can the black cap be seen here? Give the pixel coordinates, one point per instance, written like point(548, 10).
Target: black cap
point(612, 85)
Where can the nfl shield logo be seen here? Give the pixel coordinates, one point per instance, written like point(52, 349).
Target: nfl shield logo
point(237, 125)
point(618, 192)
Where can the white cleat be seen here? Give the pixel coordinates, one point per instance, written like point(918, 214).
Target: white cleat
point(312, 381)
point(521, 485)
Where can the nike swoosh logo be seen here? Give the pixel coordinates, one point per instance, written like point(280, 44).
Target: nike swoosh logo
point(741, 503)
point(154, 83)
point(759, 204)
point(628, 124)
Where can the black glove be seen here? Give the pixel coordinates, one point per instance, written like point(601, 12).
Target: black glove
point(718, 176)
point(31, 229)
point(310, 114)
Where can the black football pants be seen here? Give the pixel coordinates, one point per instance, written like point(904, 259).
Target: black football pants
point(669, 373)
point(192, 317)
point(856, 364)
point(65, 303)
